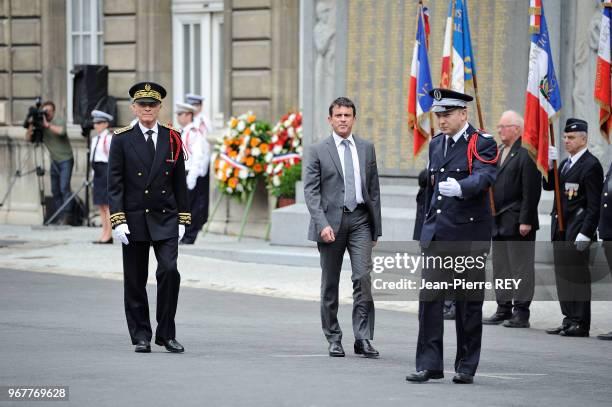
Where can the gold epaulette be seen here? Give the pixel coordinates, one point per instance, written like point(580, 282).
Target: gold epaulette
point(123, 129)
point(169, 127)
point(184, 218)
point(118, 219)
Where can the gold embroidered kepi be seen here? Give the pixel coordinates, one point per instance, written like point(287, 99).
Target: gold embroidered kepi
point(147, 92)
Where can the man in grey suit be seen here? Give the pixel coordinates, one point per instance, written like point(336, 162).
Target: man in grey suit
point(343, 197)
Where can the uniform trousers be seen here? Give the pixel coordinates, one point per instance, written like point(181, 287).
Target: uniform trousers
point(135, 274)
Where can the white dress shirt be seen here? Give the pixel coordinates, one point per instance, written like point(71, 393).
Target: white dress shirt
point(461, 132)
point(338, 140)
point(574, 158)
point(154, 135)
point(100, 146)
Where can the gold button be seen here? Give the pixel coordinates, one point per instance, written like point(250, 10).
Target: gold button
point(164, 211)
point(471, 219)
point(163, 192)
point(146, 210)
point(146, 191)
point(140, 174)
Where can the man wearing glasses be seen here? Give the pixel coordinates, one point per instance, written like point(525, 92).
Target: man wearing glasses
point(148, 205)
point(516, 194)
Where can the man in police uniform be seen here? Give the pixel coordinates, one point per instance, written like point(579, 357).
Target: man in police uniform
point(458, 224)
point(580, 184)
point(148, 206)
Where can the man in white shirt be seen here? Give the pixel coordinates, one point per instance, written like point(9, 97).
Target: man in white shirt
point(196, 166)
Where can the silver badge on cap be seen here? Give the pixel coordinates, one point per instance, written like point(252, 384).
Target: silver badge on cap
point(573, 126)
point(437, 94)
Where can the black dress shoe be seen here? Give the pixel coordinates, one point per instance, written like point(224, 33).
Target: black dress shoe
point(463, 378)
point(143, 346)
point(449, 314)
point(171, 345)
point(555, 331)
point(516, 323)
point(109, 241)
point(424, 375)
point(495, 319)
point(575, 330)
point(365, 348)
point(605, 337)
point(336, 350)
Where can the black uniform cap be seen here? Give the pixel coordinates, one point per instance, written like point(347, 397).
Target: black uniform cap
point(446, 100)
point(147, 92)
point(572, 125)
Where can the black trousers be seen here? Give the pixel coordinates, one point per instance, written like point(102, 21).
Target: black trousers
point(135, 273)
point(468, 314)
point(198, 205)
point(514, 257)
point(573, 278)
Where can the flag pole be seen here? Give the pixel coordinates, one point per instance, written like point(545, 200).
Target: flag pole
point(557, 189)
point(431, 125)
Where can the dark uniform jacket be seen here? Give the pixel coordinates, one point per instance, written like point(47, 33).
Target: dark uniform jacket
point(467, 218)
point(580, 189)
point(516, 192)
point(150, 198)
point(605, 208)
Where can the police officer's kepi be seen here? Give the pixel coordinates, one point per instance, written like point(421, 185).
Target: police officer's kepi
point(150, 92)
point(98, 116)
point(573, 125)
point(181, 107)
point(194, 99)
point(446, 100)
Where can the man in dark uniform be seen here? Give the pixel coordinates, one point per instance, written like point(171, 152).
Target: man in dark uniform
point(580, 184)
point(605, 228)
point(148, 206)
point(457, 225)
point(516, 195)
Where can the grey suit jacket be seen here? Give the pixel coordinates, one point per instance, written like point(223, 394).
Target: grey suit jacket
point(324, 186)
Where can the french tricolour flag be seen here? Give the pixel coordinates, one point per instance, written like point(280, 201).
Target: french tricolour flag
point(602, 78)
point(543, 100)
point(458, 64)
point(419, 101)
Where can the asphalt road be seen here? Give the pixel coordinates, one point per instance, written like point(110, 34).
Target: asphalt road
point(244, 350)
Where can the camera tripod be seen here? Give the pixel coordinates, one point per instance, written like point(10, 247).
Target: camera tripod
point(39, 158)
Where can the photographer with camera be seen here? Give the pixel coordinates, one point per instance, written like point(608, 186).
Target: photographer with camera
point(41, 120)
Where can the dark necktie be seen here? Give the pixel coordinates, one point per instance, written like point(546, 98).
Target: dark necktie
point(151, 145)
point(566, 166)
point(350, 197)
point(449, 144)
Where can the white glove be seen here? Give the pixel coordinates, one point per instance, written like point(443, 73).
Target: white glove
point(553, 155)
point(582, 242)
point(191, 182)
point(181, 231)
point(450, 188)
point(121, 232)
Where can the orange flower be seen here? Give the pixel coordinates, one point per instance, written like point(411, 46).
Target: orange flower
point(250, 161)
point(264, 148)
point(258, 168)
point(233, 122)
point(236, 171)
point(224, 177)
point(255, 142)
point(247, 151)
point(233, 154)
point(233, 182)
point(247, 131)
point(251, 118)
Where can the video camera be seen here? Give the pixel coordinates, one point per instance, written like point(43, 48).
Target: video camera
point(36, 117)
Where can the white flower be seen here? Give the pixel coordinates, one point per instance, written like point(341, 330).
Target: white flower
point(274, 139)
point(253, 128)
point(219, 174)
point(229, 172)
point(239, 188)
point(277, 149)
point(243, 174)
point(292, 117)
point(290, 131)
point(295, 143)
point(276, 181)
point(229, 190)
point(255, 151)
point(241, 126)
point(234, 133)
point(278, 168)
point(298, 150)
point(287, 123)
point(269, 156)
point(269, 169)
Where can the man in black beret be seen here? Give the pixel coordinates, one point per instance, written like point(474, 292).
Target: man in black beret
point(457, 224)
point(148, 205)
point(580, 185)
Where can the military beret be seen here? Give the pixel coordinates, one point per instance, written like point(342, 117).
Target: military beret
point(147, 92)
point(446, 100)
point(572, 125)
